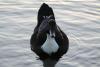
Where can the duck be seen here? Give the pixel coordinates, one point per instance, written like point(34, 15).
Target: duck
point(48, 41)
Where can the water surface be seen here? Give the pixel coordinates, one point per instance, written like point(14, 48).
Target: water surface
point(79, 19)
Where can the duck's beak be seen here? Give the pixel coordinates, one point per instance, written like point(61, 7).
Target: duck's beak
point(52, 25)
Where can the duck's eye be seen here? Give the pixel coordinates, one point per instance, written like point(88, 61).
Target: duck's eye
point(44, 17)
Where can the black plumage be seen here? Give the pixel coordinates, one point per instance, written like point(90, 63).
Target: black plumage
point(46, 22)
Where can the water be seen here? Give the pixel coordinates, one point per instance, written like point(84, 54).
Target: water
point(79, 19)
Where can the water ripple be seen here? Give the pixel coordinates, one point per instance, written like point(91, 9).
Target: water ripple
point(80, 20)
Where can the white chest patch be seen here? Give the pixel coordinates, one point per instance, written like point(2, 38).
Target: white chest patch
point(50, 45)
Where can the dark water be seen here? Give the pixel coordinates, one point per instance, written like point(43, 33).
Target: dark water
point(80, 20)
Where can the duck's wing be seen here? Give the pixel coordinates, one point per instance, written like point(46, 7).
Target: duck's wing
point(62, 41)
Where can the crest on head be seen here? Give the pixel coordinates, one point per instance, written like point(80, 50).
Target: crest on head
point(44, 12)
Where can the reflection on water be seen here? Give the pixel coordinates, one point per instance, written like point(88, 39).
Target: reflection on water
point(78, 19)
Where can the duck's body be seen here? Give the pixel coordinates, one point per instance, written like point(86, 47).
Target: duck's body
point(48, 40)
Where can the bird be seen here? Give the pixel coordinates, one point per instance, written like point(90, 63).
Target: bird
point(48, 41)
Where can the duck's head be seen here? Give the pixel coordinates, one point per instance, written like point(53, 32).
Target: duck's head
point(44, 12)
point(46, 20)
